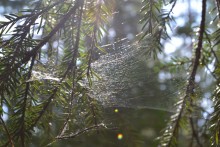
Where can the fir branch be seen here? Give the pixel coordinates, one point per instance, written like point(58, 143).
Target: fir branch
point(7, 132)
point(214, 122)
point(14, 20)
point(200, 42)
point(212, 73)
point(32, 54)
point(72, 65)
point(41, 113)
point(99, 12)
point(11, 70)
point(211, 47)
point(154, 24)
point(52, 96)
point(172, 129)
point(92, 107)
point(35, 50)
point(149, 15)
point(51, 34)
point(34, 15)
point(218, 7)
point(171, 10)
point(24, 106)
point(94, 40)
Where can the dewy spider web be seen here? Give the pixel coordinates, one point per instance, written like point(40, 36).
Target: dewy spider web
point(126, 80)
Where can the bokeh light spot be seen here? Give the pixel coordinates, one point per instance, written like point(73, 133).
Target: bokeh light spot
point(116, 110)
point(120, 136)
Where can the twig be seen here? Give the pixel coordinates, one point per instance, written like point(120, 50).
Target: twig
point(34, 51)
point(22, 130)
point(191, 86)
point(72, 65)
point(50, 35)
point(191, 82)
point(7, 132)
point(211, 47)
point(73, 135)
point(30, 15)
point(218, 7)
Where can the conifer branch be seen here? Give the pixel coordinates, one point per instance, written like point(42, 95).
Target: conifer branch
point(214, 123)
point(92, 107)
point(7, 132)
point(32, 54)
point(72, 65)
point(96, 23)
point(5, 76)
point(51, 34)
point(218, 7)
point(33, 15)
point(24, 104)
point(173, 127)
point(211, 48)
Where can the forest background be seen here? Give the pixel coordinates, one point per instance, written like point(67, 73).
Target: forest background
point(129, 81)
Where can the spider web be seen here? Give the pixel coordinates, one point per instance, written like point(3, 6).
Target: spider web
point(126, 80)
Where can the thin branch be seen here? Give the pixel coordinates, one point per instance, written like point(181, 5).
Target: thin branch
point(195, 132)
point(212, 73)
point(51, 34)
point(211, 47)
point(191, 86)
point(33, 53)
point(73, 135)
point(35, 50)
point(47, 103)
point(171, 10)
point(7, 132)
point(73, 66)
point(191, 82)
point(51, 97)
point(22, 131)
point(90, 54)
point(218, 7)
point(92, 107)
point(30, 15)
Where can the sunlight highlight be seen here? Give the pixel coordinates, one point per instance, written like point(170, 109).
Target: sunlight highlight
point(116, 110)
point(120, 136)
